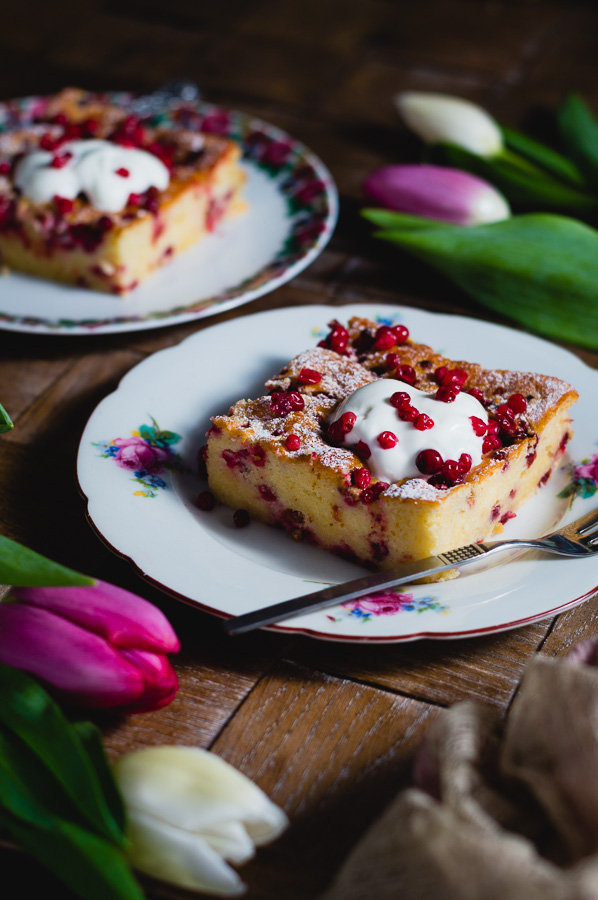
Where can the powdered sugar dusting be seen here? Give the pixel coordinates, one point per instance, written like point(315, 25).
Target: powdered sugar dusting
point(542, 392)
point(414, 489)
point(340, 376)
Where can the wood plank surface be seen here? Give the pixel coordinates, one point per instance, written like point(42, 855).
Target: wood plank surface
point(327, 730)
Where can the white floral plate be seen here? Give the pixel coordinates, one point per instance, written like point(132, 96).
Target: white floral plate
point(292, 210)
point(156, 421)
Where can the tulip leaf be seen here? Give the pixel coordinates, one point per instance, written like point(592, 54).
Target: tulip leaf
point(32, 716)
point(22, 567)
point(91, 739)
point(51, 797)
point(89, 866)
point(579, 130)
point(27, 789)
point(388, 219)
point(541, 270)
point(5, 421)
point(523, 186)
point(544, 157)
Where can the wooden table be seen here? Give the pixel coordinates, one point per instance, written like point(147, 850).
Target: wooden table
point(328, 731)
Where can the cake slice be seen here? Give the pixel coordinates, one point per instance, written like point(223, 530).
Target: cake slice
point(313, 458)
point(92, 196)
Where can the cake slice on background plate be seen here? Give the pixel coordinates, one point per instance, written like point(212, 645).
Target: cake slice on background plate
point(93, 196)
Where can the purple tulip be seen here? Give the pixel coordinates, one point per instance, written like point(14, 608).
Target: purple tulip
point(98, 646)
point(437, 193)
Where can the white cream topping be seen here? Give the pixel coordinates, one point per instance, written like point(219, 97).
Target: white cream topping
point(92, 168)
point(451, 435)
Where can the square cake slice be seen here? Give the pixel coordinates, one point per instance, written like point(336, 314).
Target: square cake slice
point(381, 451)
point(93, 196)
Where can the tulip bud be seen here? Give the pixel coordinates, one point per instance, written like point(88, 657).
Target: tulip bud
point(443, 119)
point(437, 193)
point(98, 646)
point(189, 811)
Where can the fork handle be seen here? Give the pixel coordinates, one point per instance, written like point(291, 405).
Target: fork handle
point(367, 584)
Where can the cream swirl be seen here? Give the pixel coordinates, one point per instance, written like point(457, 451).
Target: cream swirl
point(451, 435)
point(106, 172)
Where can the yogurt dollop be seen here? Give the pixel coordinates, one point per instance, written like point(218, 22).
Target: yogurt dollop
point(106, 172)
point(451, 435)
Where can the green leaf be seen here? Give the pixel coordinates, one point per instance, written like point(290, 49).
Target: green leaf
point(91, 739)
point(389, 219)
point(568, 491)
point(5, 421)
point(523, 186)
point(91, 867)
point(167, 437)
point(28, 713)
point(544, 157)
point(51, 793)
point(22, 567)
point(579, 129)
point(540, 270)
point(17, 787)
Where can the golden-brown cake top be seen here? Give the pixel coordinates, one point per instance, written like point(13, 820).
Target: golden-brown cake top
point(270, 419)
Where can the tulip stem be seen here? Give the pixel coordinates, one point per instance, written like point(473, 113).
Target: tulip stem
point(520, 162)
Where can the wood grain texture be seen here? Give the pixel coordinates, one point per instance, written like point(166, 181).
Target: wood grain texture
point(487, 669)
point(327, 730)
point(332, 753)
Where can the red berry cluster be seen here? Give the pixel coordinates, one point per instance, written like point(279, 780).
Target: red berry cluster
point(71, 131)
point(450, 382)
point(371, 493)
point(408, 413)
point(343, 425)
point(388, 336)
point(282, 404)
point(505, 428)
point(385, 337)
point(444, 473)
point(336, 339)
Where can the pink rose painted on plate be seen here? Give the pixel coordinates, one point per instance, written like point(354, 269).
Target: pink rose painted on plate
point(584, 479)
point(147, 453)
point(388, 603)
point(135, 453)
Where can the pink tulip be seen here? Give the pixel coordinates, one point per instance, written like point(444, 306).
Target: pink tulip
point(437, 193)
point(98, 646)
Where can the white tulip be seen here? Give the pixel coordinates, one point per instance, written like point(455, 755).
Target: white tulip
point(441, 118)
point(189, 811)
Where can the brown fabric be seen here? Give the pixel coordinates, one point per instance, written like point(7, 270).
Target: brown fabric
point(500, 810)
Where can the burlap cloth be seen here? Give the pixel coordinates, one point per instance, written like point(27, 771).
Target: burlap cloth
point(502, 810)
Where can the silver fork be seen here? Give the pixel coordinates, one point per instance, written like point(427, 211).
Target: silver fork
point(580, 538)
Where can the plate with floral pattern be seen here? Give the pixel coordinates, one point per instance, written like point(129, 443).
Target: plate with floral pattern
point(292, 210)
point(137, 467)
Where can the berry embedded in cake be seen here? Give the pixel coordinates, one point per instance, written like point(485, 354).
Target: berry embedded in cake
point(383, 452)
point(93, 196)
